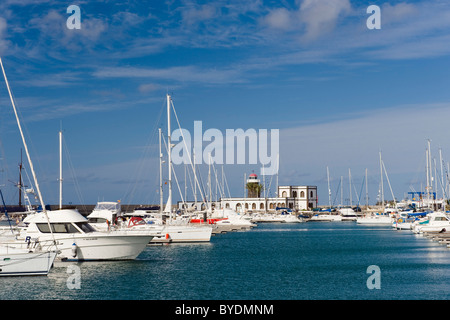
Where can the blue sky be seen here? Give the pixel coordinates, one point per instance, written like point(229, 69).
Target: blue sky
point(337, 91)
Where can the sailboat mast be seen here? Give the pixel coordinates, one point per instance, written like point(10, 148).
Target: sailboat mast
point(350, 185)
point(20, 180)
point(41, 200)
point(329, 190)
point(161, 199)
point(381, 177)
point(169, 156)
point(442, 180)
point(60, 171)
point(367, 192)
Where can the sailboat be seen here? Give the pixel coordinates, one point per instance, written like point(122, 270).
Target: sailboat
point(383, 218)
point(173, 230)
point(68, 231)
point(19, 261)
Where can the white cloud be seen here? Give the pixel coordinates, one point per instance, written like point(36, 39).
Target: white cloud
point(321, 17)
point(194, 14)
point(180, 74)
point(280, 18)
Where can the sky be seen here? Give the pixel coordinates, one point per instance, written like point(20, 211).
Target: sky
point(337, 91)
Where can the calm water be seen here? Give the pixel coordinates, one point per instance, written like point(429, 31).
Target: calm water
point(271, 262)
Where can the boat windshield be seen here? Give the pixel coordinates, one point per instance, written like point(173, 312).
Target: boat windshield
point(57, 228)
point(107, 206)
point(86, 227)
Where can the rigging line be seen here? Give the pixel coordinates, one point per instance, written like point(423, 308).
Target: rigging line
point(72, 171)
point(337, 191)
point(175, 175)
point(360, 192)
point(184, 141)
point(221, 191)
point(226, 183)
point(389, 183)
point(132, 186)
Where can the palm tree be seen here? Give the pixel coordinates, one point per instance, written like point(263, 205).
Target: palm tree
point(254, 189)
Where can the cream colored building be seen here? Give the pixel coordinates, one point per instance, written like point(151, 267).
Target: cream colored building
point(293, 197)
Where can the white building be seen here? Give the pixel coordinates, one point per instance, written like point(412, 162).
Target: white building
point(293, 197)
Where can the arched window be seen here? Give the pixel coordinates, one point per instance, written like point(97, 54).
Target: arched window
point(284, 194)
point(238, 206)
point(302, 194)
point(311, 194)
point(271, 206)
point(294, 194)
point(254, 206)
point(261, 206)
point(227, 205)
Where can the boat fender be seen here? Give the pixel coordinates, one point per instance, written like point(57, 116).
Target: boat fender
point(167, 236)
point(74, 250)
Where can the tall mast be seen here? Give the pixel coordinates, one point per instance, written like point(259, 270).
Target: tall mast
point(60, 171)
point(161, 199)
point(195, 180)
point(442, 180)
point(169, 156)
point(30, 163)
point(350, 185)
point(367, 192)
point(20, 180)
point(429, 175)
point(329, 190)
point(381, 177)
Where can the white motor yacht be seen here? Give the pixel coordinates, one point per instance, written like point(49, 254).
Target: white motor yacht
point(434, 222)
point(76, 239)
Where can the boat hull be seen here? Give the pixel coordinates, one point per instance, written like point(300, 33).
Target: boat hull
point(26, 264)
point(105, 247)
point(183, 234)
point(375, 220)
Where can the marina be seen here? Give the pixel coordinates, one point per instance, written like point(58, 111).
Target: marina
point(274, 261)
point(241, 152)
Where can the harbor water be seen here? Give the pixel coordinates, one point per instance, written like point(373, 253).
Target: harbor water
point(303, 261)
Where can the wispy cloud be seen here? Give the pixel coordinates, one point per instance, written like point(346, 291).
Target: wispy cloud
point(179, 74)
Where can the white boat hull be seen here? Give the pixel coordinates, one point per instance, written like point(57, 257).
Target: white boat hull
point(326, 217)
point(101, 246)
point(183, 234)
point(375, 220)
point(25, 263)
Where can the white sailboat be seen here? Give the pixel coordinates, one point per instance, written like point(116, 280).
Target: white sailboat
point(174, 230)
point(15, 261)
point(68, 231)
point(383, 218)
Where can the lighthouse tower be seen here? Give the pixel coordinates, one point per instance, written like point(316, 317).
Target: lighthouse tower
point(253, 186)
